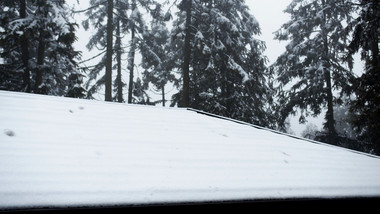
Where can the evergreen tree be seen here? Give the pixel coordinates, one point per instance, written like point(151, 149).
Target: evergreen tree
point(310, 132)
point(343, 118)
point(366, 106)
point(311, 69)
point(119, 51)
point(139, 93)
point(135, 16)
point(102, 41)
point(38, 37)
point(11, 64)
point(109, 51)
point(25, 51)
point(127, 18)
point(187, 4)
point(138, 29)
point(227, 67)
point(156, 55)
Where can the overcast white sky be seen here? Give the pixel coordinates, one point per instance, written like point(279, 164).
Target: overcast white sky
point(269, 14)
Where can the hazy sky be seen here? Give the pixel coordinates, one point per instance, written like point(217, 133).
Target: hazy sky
point(270, 15)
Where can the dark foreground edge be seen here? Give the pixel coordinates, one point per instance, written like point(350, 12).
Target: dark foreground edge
point(363, 204)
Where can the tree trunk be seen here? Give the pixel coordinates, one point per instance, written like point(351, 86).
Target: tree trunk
point(163, 95)
point(118, 59)
point(25, 51)
point(131, 57)
point(40, 51)
point(131, 65)
point(108, 75)
point(187, 54)
point(330, 121)
point(40, 62)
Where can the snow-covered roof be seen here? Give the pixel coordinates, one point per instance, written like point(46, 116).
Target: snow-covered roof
point(63, 152)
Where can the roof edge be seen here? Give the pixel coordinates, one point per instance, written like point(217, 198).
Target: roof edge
point(363, 203)
point(278, 132)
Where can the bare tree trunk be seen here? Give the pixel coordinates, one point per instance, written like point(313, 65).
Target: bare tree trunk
point(187, 54)
point(108, 75)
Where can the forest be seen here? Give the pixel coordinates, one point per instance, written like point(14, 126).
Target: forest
point(209, 52)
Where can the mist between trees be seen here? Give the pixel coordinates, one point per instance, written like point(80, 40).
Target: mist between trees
point(209, 52)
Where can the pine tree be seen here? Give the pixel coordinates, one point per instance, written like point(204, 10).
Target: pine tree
point(186, 54)
point(366, 106)
point(102, 41)
point(11, 35)
point(56, 57)
point(156, 54)
point(96, 14)
point(119, 51)
point(25, 51)
point(139, 93)
point(227, 67)
point(311, 69)
point(131, 56)
point(39, 36)
point(126, 19)
point(138, 29)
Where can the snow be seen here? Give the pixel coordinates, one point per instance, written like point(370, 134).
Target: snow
point(59, 19)
point(233, 65)
point(199, 35)
point(63, 152)
point(135, 14)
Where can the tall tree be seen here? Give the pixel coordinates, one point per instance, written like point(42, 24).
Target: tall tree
point(25, 50)
point(366, 106)
point(186, 54)
point(39, 36)
point(102, 19)
point(11, 63)
point(138, 29)
point(311, 69)
point(41, 13)
point(126, 19)
point(108, 75)
point(227, 67)
point(132, 52)
point(119, 83)
point(156, 54)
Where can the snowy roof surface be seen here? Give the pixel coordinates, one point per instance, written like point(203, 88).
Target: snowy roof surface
point(70, 152)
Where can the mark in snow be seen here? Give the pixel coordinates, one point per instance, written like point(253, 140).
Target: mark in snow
point(81, 108)
point(9, 133)
point(71, 111)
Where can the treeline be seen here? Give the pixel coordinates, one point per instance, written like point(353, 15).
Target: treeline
point(210, 53)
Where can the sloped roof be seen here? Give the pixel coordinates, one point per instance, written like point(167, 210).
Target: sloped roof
point(63, 152)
